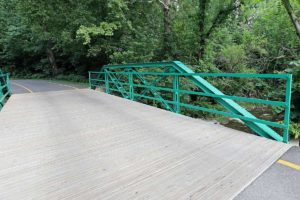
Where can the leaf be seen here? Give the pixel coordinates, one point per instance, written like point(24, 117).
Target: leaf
point(104, 29)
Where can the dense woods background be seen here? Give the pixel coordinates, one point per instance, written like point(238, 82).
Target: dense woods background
point(66, 38)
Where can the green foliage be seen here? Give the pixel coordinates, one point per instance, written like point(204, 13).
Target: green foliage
point(233, 57)
point(255, 37)
point(86, 33)
point(295, 130)
point(71, 77)
point(295, 70)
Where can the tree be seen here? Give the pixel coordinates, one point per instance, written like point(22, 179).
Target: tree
point(167, 34)
point(67, 38)
point(46, 20)
point(292, 16)
point(208, 25)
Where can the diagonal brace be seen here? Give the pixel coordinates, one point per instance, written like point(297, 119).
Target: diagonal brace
point(153, 83)
point(119, 86)
point(155, 93)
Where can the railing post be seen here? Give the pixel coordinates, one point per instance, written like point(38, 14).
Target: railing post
point(8, 84)
point(90, 82)
point(106, 81)
point(176, 95)
point(131, 89)
point(1, 91)
point(288, 92)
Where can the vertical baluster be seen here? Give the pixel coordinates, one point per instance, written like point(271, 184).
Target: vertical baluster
point(131, 89)
point(90, 81)
point(106, 81)
point(288, 92)
point(8, 84)
point(176, 94)
point(1, 87)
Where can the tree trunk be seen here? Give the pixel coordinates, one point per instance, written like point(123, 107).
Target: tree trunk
point(205, 32)
point(52, 60)
point(237, 11)
point(202, 34)
point(167, 28)
point(292, 16)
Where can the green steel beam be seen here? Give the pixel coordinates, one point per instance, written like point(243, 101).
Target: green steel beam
point(274, 124)
point(139, 65)
point(155, 82)
point(261, 127)
point(245, 99)
point(131, 89)
point(4, 88)
point(155, 93)
point(119, 86)
point(176, 94)
point(232, 75)
point(288, 93)
point(106, 82)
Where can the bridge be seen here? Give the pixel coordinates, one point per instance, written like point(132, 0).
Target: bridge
point(71, 143)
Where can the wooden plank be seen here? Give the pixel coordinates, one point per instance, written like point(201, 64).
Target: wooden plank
point(82, 144)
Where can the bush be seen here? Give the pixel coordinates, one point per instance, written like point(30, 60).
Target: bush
point(71, 77)
point(232, 58)
point(38, 76)
point(295, 130)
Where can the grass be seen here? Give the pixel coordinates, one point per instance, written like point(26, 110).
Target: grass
point(70, 83)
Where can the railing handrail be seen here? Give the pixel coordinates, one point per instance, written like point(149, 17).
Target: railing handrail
point(216, 94)
point(238, 98)
point(233, 75)
point(137, 65)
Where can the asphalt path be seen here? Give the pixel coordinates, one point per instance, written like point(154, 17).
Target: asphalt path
point(34, 86)
point(280, 182)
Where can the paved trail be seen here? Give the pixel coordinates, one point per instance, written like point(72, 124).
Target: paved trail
point(33, 86)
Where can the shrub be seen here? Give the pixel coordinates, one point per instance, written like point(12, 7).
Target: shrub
point(71, 77)
point(295, 130)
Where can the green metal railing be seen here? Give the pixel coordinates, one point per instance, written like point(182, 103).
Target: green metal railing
point(4, 88)
point(131, 81)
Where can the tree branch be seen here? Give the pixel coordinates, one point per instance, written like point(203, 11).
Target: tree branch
point(164, 5)
point(221, 17)
point(292, 16)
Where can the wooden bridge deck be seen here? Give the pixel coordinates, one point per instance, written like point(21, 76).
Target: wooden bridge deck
point(82, 144)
